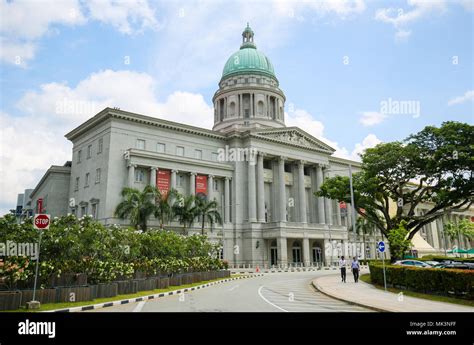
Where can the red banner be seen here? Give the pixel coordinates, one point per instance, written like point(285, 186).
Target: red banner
point(39, 205)
point(163, 179)
point(201, 184)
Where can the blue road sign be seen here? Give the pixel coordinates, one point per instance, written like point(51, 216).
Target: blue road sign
point(381, 246)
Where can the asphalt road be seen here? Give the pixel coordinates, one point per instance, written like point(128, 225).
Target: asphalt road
point(273, 292)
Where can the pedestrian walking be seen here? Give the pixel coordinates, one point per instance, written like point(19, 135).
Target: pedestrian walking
point(342, 266)
point(355, 269)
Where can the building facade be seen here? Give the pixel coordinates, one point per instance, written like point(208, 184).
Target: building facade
point(262, 173)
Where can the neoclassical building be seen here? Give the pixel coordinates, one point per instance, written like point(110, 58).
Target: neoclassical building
point(262, 173)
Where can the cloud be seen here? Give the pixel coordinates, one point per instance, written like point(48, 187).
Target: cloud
point(25, 22)
point(401, 18)
point(369, 141)
point(54, 109)
point(370, 118)
point(468, 96)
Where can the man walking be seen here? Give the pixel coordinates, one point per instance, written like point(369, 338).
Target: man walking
point(355, 269)
point(342, 266)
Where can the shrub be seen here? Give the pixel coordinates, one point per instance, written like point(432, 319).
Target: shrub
point(427, 280)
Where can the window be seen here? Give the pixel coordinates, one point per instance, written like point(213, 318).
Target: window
point(198, 154)
point(86, 182)
point(160, 148)
point(76, 185)
point(180, 181)
point(100, 146)
point(89, 151)
point(83, 210)
point(140, 144)
point(97, 175)
point(139, 175)
point(79, 156)
point(94, 209)
point(180, 151)
point(215, 156)
point(215, 185)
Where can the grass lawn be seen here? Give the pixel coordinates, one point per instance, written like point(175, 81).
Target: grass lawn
point(53, 306)
point(366, 278)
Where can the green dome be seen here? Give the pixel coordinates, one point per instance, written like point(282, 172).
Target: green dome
point(248, 59)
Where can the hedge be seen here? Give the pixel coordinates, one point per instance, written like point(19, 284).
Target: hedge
point(448, 282)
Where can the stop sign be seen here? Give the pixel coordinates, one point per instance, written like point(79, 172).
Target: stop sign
point(41, 221)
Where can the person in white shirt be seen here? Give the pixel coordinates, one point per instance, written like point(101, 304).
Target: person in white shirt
point(342, 266)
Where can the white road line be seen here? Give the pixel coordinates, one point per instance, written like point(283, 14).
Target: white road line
point(139, 307)
point(260, 294)
point(232, 288)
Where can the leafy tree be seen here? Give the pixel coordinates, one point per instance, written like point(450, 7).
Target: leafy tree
point(163, 205)
point(207, 210)
point(399, 244)
point(185, 210)
point(433, 167)
point(454, 230)
point(137, 205)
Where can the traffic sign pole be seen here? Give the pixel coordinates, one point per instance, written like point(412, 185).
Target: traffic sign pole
point(381, 248)
point(37, 265)
point(40, 222)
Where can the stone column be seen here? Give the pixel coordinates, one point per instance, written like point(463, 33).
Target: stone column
point(227, 200)
point(319, 182)
point(241, 106)
point(282, 251)
point(210, 187)
point(306, 257)
point(153, 176)
point(192, 183)
point(173, 178)
point(252, 200)
point(328, 206)
point(281, 189)
point(301, 193)
point(338, 214)
point(252, 113)
point(260, 190)
point(131, 175)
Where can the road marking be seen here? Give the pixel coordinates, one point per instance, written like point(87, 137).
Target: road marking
point(266, 300)
point(232, 288)
point(139, 307)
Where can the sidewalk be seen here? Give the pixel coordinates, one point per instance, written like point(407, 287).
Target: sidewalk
point(366, 295)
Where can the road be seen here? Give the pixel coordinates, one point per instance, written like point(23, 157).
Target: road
point(273, 292)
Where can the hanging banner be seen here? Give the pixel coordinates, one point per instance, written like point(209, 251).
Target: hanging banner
point(163, 179)
point(201, 184)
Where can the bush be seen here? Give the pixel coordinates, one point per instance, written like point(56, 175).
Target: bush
point(427, 280)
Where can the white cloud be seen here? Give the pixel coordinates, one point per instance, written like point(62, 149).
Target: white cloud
point(369, 141)
point(370, 118)
point(468, 96)
point(127, 16)
point(25, 22)
point(418, 9)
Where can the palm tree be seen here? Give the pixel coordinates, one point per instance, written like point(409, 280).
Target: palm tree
point(207, 210)
point(185, 210)
point(163, 205)
point(366, 228)
point(137, 205)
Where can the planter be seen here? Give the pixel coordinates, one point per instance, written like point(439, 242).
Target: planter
point(176, 280)
point(104, 290)
point(197, 277)
point(187, 278)
point(74, 293)
point(42, 295)
point(10, 300)
point(126, 287)
point(164, 282)
point(146, 284)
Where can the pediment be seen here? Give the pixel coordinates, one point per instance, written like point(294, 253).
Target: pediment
point(294, 136)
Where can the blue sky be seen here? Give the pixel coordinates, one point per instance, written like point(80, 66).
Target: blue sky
point(337, 62)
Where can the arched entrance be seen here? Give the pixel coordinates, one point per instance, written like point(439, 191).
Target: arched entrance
point(296, 252)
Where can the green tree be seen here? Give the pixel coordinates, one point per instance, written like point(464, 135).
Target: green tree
point(454, 230)
point(207, 211)
point(399, 244)
point(433, 167)
point(164, 211)
point(185, 210)
point(137, 205)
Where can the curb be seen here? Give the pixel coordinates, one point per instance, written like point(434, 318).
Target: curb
point(320, 289)
point(145, 298)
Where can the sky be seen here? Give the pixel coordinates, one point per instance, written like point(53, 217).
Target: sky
point(355, 73)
